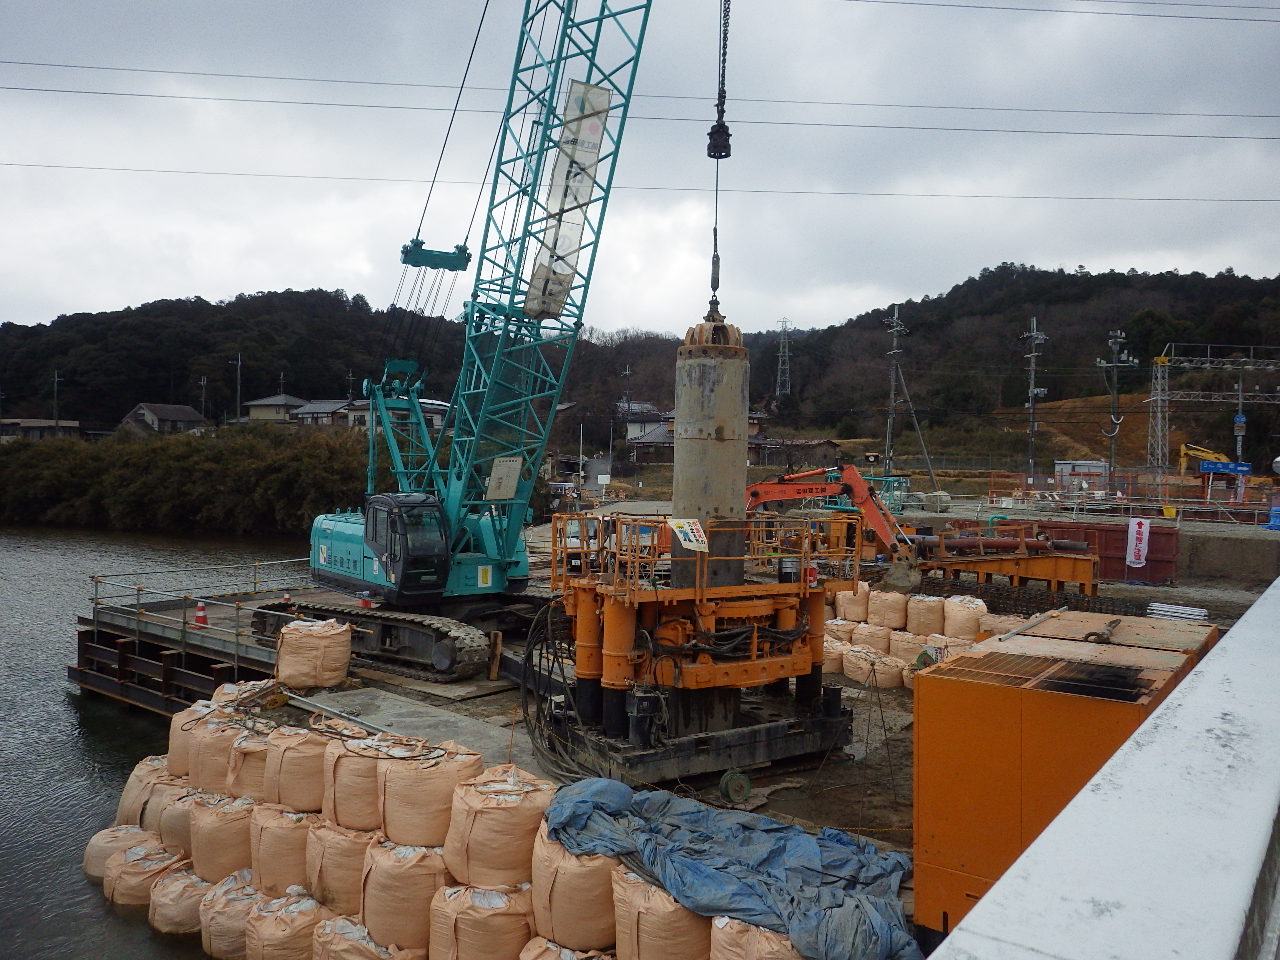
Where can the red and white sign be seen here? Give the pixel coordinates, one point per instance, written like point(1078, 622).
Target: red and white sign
point(1135, 554)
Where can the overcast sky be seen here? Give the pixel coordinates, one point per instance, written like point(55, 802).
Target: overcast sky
point(842, 207)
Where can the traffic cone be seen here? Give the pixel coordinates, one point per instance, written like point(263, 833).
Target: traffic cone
point(286, 598)
point(366, 603)
point(202, 617)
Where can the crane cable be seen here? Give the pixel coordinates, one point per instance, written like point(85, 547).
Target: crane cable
point(416, 290)
point(718, 149)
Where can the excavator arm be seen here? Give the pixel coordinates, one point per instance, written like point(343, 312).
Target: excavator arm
point(814, 483)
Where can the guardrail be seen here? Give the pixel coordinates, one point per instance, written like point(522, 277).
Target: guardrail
point(170, 597)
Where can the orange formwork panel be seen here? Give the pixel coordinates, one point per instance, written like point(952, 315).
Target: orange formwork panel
point(1004, 738)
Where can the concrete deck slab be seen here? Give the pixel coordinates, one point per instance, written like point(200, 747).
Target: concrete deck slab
point(416, 719)
point(459, 690)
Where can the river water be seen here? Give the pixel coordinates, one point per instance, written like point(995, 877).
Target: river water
point(64, 755)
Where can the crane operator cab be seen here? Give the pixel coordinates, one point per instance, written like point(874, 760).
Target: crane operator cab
point(398, 550)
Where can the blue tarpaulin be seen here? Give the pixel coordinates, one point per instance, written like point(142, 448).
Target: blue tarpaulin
point(834, 895)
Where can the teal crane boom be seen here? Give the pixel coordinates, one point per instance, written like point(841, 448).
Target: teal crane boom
point(454, 528)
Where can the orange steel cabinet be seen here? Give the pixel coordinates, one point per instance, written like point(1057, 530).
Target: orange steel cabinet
point(1003, 741)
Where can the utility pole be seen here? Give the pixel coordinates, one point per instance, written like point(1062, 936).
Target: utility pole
point(238, 362)
point(1242, 482)
point(203, 383)
point(281, 382)
point(1034, 338)
point(782, 388)
point(1111, 376)
point(896, 328)
point(350, 380)
point(57, 421)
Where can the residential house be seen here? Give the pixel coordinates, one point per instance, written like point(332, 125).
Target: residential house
point(433, 411)
point(323, 413)
point(27, 429)
point(275, 409)
point(149, 419)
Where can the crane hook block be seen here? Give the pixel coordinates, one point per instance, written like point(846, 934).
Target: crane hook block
point(718, 141)
point(414, 254)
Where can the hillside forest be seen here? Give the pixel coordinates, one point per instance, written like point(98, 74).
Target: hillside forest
point(963, 358)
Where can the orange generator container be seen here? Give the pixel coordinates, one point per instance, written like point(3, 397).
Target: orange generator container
point(1006, 734)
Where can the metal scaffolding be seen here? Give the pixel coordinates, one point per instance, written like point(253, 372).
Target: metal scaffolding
point(1201, 356)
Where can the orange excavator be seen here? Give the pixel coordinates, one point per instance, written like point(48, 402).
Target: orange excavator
point(817, 483)
point(903, 574)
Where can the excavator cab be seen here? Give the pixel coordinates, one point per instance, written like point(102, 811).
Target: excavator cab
point(408, 540)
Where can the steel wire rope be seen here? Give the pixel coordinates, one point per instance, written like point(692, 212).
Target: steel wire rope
point(435, 175)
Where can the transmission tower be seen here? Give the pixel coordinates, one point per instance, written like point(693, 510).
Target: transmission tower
point(896, 328)
point(1034, 338)
point(783, 386)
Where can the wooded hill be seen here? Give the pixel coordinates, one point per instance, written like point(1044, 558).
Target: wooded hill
point(963, 356)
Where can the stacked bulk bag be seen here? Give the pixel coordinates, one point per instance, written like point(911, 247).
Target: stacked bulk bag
point(872, 668)
point(925, 614)
point(210, 751)
point(283, 928)
point(416, 795)
point(162, 793)
point(492, 826)
point(130, 872)
point(293, 768)
point(943, 647)
point(907, 647)
point(652, 926)
point(137, 789)
point(887, 609)
point(470, 923)
point(313, 654)
point(175, 900)
point(909, 676)
point(174, 824)
point(335, 865)
point(343, 939)
point(247, 766)
point(106, 843)
point(869, 635)
point(833, 656)
point(540, 948)
point(351, 797)
point(397, 888)
point(220, 835)
point(243, 692)
point(223, 913)
point(278, 847)
point(181, 725)
point(852, 604)
point(572, 895)
point(857, 663)
point(737, 940)
point(886, 672)
point(963, 617)
point(840, 630)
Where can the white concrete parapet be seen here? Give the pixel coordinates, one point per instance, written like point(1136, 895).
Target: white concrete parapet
point(1173, 849)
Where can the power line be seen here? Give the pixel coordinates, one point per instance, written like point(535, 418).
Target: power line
point(888, 194)
point(1093, 13)
point(680, 96)
point(821, 124)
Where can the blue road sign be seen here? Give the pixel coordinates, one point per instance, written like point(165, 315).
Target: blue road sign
point(1238, 418)
point(1208, 466)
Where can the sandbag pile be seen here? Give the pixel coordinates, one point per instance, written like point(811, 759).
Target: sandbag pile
point(313, 654)
point(735, 940)
point(879, 634)
point(652, 926)
point(223, 913)
point(175, 900)
point(129, 873)
point(283, 928)
point(493, 825)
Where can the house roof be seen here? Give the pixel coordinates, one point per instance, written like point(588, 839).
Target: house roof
point(179, 412)
point(662, 433)
point(279, 400)
point(323, 406)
